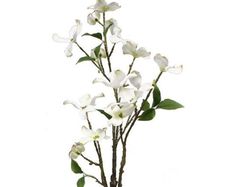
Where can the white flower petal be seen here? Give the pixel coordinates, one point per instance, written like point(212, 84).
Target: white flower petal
point(91, 18)
point(141, 52)
point(72, 103)
point(116, 78)
point(129, 48)
point(85, 100)
point(75, 30)
point(60, 39)
point(68, 50)
point(94, 98)
point(126, 94)
point(101, 80)
point(176, 69)
point(127, 109)
point(162, 61)
point(135, 79)
point(113, 6)
point(86, 132)
point(115, 121)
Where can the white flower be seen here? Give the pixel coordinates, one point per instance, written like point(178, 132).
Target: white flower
point(93, 17)
point(117, 79)
point(118, 112)
point(162, 62)
point(86, 104)
point(130, 48)
point(103, 6)
point(73, 33)
point(133, 94)
point(115, 31)
point(91, 135)
point(76, 150)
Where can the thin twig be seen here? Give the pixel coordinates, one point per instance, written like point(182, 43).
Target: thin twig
point(93, 177)
point(89, 160)
point(93, 62)
point(111, 52)
point(106, 44)
point(131, 66)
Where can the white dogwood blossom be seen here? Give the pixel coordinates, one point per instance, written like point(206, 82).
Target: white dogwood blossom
point(103, 6)
point(73, 33)
point(130, 48)
point(76, 150)
point(162, 62)
point(93, 135)
point(118, 112)
point(132, 94)
point(93, 17)
point(86, 104)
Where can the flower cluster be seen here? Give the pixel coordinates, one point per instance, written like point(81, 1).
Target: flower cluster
point(133, 100)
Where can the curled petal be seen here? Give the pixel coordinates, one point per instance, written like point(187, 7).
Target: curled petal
point(176, 69)
point(94, 98)
point(91, 18)
point(66, 102)
point(162, 62)
point(101, 80)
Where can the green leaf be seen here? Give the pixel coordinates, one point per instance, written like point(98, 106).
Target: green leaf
point(97, 50)
point(107, 28)
point(95, 35)
point(81, 182)
point(85, 58)
point(75, 167)
point(147, 115)
point(104, 113)
point(156, 96)
point(169, 104)
point(146, 105)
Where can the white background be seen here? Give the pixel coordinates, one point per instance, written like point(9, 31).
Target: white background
point(190, 147)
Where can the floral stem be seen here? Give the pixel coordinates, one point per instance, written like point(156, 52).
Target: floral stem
point(131, 66)
point(94, 63)
point(99, 154)
point(89, 160)
point(111, 52)
point(93, 177)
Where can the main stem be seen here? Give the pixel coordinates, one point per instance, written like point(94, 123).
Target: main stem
point(113, 178)
point(124, 140)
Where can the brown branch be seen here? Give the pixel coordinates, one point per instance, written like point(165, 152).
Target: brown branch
point(89, 160)
point(124, 141)
point(99, 154)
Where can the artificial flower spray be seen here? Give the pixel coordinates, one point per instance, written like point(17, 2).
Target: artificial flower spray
point(133, 100)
